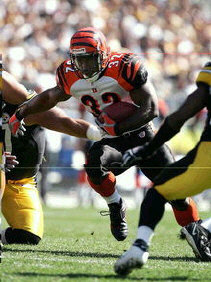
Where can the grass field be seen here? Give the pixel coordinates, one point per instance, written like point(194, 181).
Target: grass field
point(77, 246)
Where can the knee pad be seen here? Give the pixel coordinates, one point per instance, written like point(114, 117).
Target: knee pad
point(20, 236)
point(152, 209)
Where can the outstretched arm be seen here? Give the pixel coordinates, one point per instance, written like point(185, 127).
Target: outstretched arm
point(173, 123)
point(171, 126)
point(43, 102)
point(15, 93)
point(56, 119)
point(39, 103)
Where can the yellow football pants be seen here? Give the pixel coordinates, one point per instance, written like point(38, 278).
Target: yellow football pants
point(21, 206)
point(194, 180)
point(2, 183)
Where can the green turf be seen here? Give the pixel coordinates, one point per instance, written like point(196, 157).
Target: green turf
point(77, 246)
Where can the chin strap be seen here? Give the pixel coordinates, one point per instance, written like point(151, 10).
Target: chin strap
point(94, 77)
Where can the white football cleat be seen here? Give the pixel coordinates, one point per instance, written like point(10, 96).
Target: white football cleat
point(135, 257)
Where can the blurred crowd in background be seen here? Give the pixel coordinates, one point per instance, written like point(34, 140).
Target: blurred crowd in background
point(173, 37)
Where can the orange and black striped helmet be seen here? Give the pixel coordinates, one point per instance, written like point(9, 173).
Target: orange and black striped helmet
point(89, 53)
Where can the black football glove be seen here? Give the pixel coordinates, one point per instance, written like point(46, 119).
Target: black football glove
point(135, 156)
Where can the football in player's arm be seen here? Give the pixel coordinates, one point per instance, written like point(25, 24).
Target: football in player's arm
point(145, 97)
point(98, 78)
point(186, 177)
point(171, 126)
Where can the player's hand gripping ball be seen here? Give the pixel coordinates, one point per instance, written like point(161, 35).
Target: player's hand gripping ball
point(114, 114)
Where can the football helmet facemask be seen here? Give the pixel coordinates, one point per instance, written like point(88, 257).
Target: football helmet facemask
point(89, 53)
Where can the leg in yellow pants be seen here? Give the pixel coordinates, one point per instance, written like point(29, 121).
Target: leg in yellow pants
point(2, 183)
point(194, 177)
point(21, 206)
point(2, 173)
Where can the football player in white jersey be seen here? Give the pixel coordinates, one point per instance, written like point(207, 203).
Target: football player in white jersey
point(98, 78)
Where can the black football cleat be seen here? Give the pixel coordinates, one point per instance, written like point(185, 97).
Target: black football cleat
point(117, 213)
point(199, 239)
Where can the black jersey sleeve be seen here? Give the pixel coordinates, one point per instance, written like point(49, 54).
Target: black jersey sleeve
point(208, 64)
point(133, 71)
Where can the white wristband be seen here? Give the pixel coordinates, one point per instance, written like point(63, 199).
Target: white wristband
point(93, 133)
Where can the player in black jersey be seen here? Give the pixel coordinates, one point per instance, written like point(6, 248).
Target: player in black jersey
point(187, 177)
point(2, 174)
point(20, 203)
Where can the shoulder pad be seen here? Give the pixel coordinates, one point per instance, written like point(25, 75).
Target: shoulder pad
point(133, 70)
point(204, 75)
point(66, 76)
point(61, 78)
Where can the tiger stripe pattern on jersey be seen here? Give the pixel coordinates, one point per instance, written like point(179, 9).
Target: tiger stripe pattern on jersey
point(61, 78)
point(133, 71)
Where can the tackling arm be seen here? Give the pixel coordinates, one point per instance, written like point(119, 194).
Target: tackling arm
point(56, 119)
point(173, 123)
point(42, 102)
point(171, 126)
point(194, 103)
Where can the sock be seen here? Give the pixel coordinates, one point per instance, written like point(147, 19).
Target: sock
point(206, 223)
point(145, 233)
point(114, 198)
point(152, 209)
point(190, 214)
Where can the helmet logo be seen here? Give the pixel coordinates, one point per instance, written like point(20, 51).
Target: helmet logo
point(79, 51)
